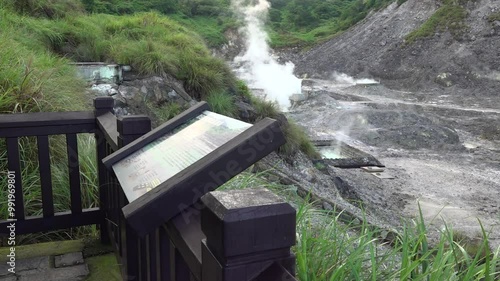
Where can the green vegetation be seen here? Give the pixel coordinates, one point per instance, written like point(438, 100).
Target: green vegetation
point(307, 22)
point(494, 17)
point(449, 17)
point(35, 75)
point(39, 38)
point(210, 28)
point(165, 111)
point(223, 103)
point(60, 183)
point(291, 22)
point(208, 18)
point(103, 267)
point(297, 140)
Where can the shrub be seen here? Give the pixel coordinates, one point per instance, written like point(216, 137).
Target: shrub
point(448, 17)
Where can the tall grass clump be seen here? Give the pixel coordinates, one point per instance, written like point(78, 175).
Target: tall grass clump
point(222, 103)
point(32, 79)
point(297, 140)
point(166, 111)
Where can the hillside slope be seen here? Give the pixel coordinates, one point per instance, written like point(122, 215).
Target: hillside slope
point(466, 62)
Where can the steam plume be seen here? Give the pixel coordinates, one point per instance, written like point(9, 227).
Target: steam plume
point(260, 68)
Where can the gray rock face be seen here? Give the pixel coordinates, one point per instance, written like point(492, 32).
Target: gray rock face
point(245, 111)
point(157, 90)
point(235, 44)
point(138, 95)
point(375, 47)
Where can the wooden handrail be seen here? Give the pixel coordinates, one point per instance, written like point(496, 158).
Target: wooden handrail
point(22, 120)
point(46, 123)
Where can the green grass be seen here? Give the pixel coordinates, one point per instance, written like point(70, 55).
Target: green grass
point(449, 17)
point(32, 79)
point(307, 23)
point(222, 103)
point(210, 28)
point(164, 112)
point(298, 140)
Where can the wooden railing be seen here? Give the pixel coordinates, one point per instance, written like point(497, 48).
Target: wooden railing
point(43, 125)
point(231, 235)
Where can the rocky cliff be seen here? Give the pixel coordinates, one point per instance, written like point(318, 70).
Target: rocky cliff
point(463, 61)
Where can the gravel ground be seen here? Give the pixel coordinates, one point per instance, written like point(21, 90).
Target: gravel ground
point(443, 157)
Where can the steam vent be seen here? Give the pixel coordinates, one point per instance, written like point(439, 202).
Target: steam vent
point(341, 155)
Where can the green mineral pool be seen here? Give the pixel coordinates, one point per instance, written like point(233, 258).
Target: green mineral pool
point(330, 152)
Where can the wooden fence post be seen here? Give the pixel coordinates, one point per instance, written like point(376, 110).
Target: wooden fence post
point(102, 105)
point(247, 231)
point(129, 129)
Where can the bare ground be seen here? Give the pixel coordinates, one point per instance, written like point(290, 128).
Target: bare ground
point(444, 157)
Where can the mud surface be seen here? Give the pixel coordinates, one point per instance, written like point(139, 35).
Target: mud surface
point(442, 156)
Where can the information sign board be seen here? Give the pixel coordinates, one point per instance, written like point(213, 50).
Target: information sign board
point(161, 159)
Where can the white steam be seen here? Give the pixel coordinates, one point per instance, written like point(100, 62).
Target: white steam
point(259, 68)
point(344, 79)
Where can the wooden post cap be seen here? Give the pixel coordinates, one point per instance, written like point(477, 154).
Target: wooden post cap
point(104, 102)
point(133, 125)
point(247, 221)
